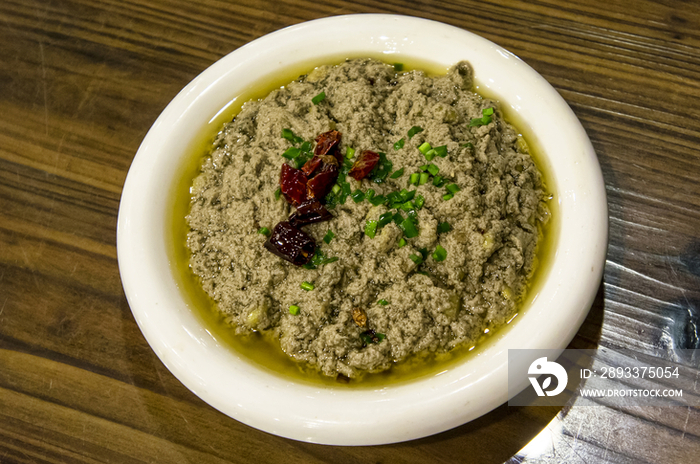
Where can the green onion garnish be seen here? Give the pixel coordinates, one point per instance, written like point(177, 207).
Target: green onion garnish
point(397, 174)
point(402, 242)
point(291, 153)
point(468, 145)
point(413, 131)
point(383, 302)
point(440, 254)
point(416, 259)
point(328, 237)
point(306, 147)
point(278, 192)
point(409, 229)
point(349, 152)
point(432, 169)
point(484, 120)
point(449, 196)
point(441, 151)
point(423, 168)
point(308, 286)
point(414, 179)
point(444, 227)
point(452, 188)
point(399, 145)
point(407, 195)
point(397, 218)
point(419, 202)
point(294, 310)
point(437, 181)
point(377, 200)
point(398, 67)
point(424, 148)
point(370, 193)
point(336, 189)
point(385, 219)
point(318, 98)
point(423, 178)
point(371, 228)
point(358, 196)
point(264, 231)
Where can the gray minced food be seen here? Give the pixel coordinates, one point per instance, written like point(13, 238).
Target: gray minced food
point(494, 219)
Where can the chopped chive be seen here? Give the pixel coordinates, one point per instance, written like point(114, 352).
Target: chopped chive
point(398, 67)
point(383, 302)
point(318, 98)
point(397, 218)
point(289, 135)
point(357, 196)
point(349, 152)
point(329, 260)
point(264, 231)
point(397, 174)
point(299, 161)
point(402, 242)
point(306, 147)
point(399, 145)
point(407, 206)
point(308, 286)
point(328, 237)
point(377, 200)
point(424, 147)
point(449, 196)
point(294, 310)
point(441, 151)
point(432, 169)
point(423, 178)
point(419, 202)
point(452, 188)
point(278, 192)
point(346, 188)
point(409, 229)
point(416, 259)
point(336, 189)
point(291, 153)
point(370, 194)
point(385, 219)
point(468, 145)
point(394, 197)
point(413, 131)
point(414, 179)
point(484, 120)
point(407, 195)
point(440, 254)
point(444, 227)
point(437, 181)
point(371, 228)
point(424, 167)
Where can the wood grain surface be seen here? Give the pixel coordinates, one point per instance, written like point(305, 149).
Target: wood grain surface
point(81, 82)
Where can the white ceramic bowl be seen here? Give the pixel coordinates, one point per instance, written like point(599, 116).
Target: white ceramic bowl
point(345, 416)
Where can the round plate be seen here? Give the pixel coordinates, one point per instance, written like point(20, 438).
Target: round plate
point(341, 415)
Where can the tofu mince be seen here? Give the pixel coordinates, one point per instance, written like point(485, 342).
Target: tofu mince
point(361, 215)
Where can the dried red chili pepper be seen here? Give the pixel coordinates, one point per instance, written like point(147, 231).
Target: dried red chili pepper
point(309, 213)
point(364, 165)
point(328, 143)
point(293, 185)
point(316, 163)
point(322, 183)
point(290, 243)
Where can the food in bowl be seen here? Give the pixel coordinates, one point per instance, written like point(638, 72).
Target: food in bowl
point(402, 211)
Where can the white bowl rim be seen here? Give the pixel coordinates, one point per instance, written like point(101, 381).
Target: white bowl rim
point(402, 412)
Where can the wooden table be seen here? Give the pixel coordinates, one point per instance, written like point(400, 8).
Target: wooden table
point(82, 81)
